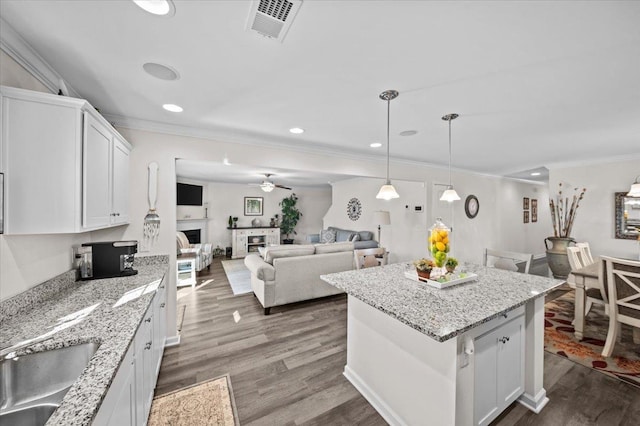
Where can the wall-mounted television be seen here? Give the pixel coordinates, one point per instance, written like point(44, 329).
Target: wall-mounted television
point(189, 195)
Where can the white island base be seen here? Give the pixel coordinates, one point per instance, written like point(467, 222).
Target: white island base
point(412, 379)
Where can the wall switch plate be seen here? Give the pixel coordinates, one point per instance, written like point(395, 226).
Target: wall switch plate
point(418, 209)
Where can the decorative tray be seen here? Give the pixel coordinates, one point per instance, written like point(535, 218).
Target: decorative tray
point(454, 279)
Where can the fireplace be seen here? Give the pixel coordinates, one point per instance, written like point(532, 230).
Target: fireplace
point(194, 229)
point(193, 235)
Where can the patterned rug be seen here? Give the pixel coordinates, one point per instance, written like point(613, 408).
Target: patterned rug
point(624, 363)
point(206, 403)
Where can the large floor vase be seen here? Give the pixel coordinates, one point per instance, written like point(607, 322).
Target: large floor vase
point(557, 256)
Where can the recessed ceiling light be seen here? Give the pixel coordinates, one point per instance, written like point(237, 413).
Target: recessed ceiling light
point(375, 145)
point(535, 174)
point(157, 7)
point(296, 130)
point(160, 71)
point(408, 133)
point(172, 107)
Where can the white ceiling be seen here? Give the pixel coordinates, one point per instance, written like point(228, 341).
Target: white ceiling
point(244, 174)
point(535, 83)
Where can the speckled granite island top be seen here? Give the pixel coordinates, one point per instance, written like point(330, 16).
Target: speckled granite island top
point(37, 310)
point(442, 313)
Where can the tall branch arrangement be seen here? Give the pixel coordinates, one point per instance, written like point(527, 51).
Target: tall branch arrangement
point(562, 213)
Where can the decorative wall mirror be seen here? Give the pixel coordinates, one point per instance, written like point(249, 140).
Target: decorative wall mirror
point(627, 216)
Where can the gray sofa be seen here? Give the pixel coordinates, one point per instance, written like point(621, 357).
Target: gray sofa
point(364, 240)
point(291, 273)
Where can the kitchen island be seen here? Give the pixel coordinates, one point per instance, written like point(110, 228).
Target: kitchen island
point(454, 356)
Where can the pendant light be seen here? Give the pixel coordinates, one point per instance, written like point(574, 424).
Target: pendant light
point(450, 194)
point(387, 191)
point(634, 191)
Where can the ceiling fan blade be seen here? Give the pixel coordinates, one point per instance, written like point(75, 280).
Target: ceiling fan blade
point(283, 187)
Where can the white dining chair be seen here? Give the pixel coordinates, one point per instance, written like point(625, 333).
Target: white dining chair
point(366, 258)
point(585, 254)
point(592, 297)
point(622, 279)
point(507, 259)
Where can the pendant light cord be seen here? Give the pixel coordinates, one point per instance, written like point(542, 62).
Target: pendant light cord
point(450, 154)
point(388, 125)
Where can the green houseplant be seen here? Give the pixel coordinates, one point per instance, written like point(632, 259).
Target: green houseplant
point(290, 217)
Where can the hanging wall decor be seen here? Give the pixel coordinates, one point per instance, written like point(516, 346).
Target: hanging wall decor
point(354, 209)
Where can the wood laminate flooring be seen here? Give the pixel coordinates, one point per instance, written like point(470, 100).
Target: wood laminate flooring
point(286, 368)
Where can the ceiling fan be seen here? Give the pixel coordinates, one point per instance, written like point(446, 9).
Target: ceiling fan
point(268, 185)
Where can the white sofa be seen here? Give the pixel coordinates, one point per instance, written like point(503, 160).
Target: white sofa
point(203, 252)
point(291, 273)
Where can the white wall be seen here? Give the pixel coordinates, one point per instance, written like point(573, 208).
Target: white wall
point(595, 219)
point(499, 223)
point(227, 199)
point(405, 238)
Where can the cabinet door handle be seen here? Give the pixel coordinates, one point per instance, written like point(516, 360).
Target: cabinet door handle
point(147, 346)
point(148, 320)
point(504, 340)
point(505, 316)
point(162, 305)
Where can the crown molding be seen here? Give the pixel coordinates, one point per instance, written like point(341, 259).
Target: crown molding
point(593, 161)
point(17, 48)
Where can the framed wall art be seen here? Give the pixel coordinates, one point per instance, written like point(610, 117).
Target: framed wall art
point(253, 206)
point(525, 216)
point(525, 203)
point(534, 210)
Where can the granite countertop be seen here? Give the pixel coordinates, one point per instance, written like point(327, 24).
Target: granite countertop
point(442, 313)
point(38, 310)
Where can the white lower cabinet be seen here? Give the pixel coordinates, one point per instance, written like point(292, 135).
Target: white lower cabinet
point(128, 400)
point(498, 369)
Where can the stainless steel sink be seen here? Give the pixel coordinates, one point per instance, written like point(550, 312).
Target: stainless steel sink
point(32, 386)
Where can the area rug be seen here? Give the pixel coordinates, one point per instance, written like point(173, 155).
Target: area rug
point(624, 363)
point(238, 275)
point(206, 403)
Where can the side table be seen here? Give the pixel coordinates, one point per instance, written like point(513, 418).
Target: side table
point(186, 270)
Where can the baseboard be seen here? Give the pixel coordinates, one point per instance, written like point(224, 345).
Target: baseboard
point(535, 404)
point(172, 341)
point(383, 409)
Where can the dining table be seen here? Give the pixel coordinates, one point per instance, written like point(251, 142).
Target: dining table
point(585, 278)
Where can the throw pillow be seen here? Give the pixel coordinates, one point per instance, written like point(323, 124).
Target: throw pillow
point(327, 236)
point(354, 237)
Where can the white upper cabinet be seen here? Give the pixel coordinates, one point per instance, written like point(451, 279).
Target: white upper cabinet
point(66, 169)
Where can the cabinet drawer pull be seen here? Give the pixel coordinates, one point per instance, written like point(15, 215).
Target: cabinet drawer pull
point(148, 320)
point(162, 305)
point(505, 316)
point(147, 346)
point(504, 340)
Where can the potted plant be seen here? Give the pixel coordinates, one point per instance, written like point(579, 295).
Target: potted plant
point(290, 217)
point(563, 214)
point(424, 267)
point(451, 264)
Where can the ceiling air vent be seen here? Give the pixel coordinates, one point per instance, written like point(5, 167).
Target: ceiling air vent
point(272, 18)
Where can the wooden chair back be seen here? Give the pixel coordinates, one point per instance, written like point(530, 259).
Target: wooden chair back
point(573, 254)
point(366, 258)
point(507, 259)
point(622, 287)
point(585, 254)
